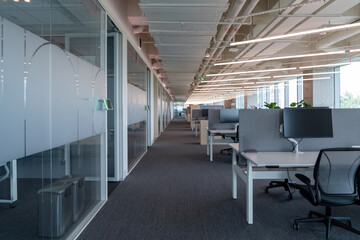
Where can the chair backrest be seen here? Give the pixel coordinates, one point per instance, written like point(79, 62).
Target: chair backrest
point(336, 171)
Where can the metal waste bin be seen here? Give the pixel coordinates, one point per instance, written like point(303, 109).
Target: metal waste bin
point(78, 195)
point(55, 209)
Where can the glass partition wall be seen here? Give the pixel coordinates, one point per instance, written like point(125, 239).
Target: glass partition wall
point(52, 115)
point(137, 107)
point(114, 130)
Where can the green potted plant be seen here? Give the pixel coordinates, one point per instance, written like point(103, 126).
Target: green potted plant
point(300, 104)
point(271, 105)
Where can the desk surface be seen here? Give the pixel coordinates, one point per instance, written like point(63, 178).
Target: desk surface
point(222, 131)
point(282, 159)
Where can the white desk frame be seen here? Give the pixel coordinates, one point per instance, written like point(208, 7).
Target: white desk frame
point(268, 165)
point(197, 125)
point(13, 183)
point(210, 139)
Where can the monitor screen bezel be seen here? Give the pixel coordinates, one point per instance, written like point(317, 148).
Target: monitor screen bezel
point(286, 132)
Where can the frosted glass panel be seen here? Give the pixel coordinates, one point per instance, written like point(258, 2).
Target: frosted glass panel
point(137, 102)
point(11, 92)
point(51, 119)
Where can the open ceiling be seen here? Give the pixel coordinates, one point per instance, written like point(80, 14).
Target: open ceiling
point(193, 36)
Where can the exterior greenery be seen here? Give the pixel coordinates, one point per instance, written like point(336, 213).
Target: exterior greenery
point(348, 100)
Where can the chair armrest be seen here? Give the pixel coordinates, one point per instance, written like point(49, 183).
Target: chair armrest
point(307, 181)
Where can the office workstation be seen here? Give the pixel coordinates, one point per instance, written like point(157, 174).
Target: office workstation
point(271, 152)
point(222, 124)
point(155, 119)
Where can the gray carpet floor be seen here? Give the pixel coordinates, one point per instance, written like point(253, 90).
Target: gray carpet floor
point(176, 193)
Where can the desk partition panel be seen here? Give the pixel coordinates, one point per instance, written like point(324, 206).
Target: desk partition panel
point(215, 123)
point(259, 130)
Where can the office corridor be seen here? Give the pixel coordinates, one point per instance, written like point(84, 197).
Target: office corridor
point(176, 193)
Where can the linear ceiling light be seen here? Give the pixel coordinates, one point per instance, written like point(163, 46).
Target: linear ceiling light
point(236, 79)
point(307, 79)
point(324, 65)
point(289, 57)
point(325, 29)
point(223, 84)
point(277, 69)
point(269, 77)
point(303, 74)
point(219, 88)
point(255, 71)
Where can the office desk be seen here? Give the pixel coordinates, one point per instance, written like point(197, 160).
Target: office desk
point(268, 165)
point(211, 140)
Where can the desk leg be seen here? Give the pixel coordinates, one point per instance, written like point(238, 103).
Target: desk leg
point(207, 143)
point(234, 174)
point(211, 147)
point(13, 181)
point(67, 159)
point(249, 194)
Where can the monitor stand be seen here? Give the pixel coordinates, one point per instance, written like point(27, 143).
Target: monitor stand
point(295, 144)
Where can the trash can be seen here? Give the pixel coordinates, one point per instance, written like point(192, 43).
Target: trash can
point(78, 183)
point(55, 209)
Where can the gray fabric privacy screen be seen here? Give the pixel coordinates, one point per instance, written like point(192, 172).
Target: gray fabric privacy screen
point(259, 130)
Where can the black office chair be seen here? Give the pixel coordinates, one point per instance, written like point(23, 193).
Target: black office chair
point(235, 138)
point(336, 176)
point(288, 186)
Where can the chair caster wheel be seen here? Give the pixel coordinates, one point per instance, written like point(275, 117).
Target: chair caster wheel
point(296, 226)
point(12, 205)
point(309, 215)
point(290, 197)
point(266, 190)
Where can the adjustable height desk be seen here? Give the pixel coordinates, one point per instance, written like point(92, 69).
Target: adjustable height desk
point(211, 140)
point(268, 165)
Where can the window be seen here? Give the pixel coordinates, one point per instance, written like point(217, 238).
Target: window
point(350, 86)
point(293, 91)
point(281, 94)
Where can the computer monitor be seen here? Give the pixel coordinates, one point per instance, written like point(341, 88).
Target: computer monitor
point(307, 123)
point(229, 115)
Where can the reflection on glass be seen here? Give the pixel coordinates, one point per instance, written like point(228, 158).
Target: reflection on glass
point(137, 102)
point(52, 73)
